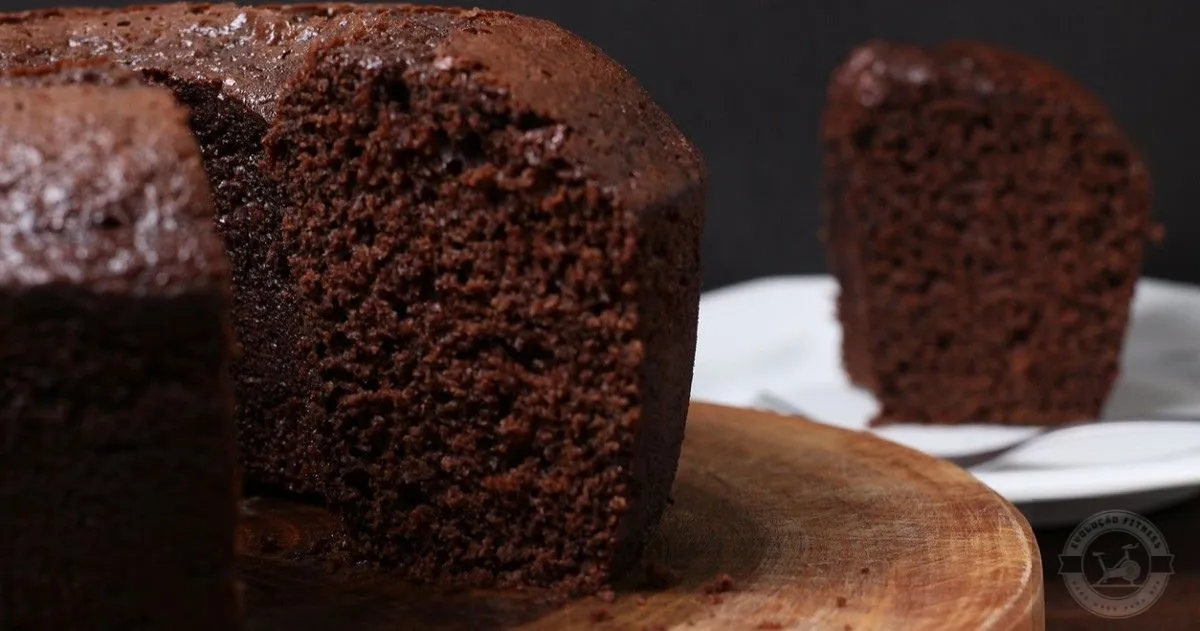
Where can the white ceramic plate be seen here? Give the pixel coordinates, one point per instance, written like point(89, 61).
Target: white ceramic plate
point(779, 337)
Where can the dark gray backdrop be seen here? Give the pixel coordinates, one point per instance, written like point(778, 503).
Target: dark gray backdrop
point(746, 80)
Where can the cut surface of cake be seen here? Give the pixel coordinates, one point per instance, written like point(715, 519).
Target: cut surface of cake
point(985, 218)
point(117, 462)
point(465, 250)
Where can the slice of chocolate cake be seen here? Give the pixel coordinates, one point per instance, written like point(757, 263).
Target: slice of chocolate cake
point(117, 489)
point(466, 280)
point(986, 220)
point(502, 266)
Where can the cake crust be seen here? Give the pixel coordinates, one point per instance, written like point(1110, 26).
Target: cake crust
point(71, 186)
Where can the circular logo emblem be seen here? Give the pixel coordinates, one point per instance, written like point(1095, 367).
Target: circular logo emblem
point(1116, 564)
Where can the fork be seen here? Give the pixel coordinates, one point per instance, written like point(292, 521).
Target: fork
point(970, 460)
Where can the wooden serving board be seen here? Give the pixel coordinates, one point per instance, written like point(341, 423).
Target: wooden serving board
point(816, 528)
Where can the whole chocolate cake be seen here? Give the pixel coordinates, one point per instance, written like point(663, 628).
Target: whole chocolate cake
point(465, 263)
point(986, 219)
point(117, 489)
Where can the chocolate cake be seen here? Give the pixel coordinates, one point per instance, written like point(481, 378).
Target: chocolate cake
point(986, 219)
point(117, 489)
point(465, 265)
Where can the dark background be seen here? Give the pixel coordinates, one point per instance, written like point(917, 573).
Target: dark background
point(746, 80)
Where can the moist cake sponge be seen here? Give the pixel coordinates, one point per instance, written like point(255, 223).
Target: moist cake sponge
point(502, 266)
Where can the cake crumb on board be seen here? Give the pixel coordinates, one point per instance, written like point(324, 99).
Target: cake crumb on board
point(659, 575)
point(719, 585)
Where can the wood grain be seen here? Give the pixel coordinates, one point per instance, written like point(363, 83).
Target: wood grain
point(817, 528)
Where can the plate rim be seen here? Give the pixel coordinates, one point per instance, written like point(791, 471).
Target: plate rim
point(1018, 486)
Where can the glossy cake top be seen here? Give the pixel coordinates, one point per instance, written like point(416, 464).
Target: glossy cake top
point(610, 126)
point(879, 72)
point(102, 187)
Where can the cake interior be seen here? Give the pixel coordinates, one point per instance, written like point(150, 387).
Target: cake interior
point(474, 299)
point(112, 463)
point(274, 378)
